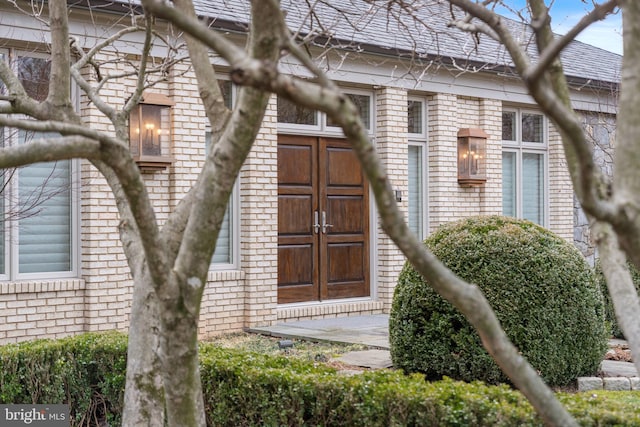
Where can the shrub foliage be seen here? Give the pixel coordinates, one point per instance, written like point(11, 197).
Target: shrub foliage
point(249, 389)
point(610, 313)
point(542, 290)
point(86, 371)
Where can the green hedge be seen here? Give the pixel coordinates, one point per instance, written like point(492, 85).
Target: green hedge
point(87, 371)
point(248, 389)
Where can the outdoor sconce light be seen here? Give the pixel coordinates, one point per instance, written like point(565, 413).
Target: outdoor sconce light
point(472, 155)
point(149, 135)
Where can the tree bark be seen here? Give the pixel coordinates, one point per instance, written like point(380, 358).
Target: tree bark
point(620, 286)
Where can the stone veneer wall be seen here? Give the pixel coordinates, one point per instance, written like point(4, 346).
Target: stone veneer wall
point(601, 133)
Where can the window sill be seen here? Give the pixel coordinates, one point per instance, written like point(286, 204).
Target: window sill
point(36, 286)
point(153, 163)
point(225, 275)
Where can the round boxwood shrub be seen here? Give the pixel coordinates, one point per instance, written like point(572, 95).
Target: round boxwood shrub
point(539, 285)
point(610, 314)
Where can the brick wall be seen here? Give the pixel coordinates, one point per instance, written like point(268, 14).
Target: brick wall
point(391, 144)
point(38, 309)
point(449, 201)
point(259, 224)
point(490, 121)
point(104, 266)
point(560, 189)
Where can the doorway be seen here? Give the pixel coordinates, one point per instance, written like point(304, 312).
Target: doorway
point(323, 221)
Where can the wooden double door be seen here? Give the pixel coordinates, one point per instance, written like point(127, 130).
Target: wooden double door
point(323, 221)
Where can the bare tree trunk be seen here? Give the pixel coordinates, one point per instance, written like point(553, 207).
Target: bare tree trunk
point(620, 286)
point(179, 353)
point(144, 391)
point(144, 387)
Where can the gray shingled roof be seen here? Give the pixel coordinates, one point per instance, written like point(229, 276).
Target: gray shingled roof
point(372, 26)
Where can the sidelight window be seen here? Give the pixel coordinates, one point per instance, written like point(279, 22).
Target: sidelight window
point(524, 158)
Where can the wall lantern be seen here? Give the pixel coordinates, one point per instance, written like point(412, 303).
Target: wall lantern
point(472, 156)
point(149, 132)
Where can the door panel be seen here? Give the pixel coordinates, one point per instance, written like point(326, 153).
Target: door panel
point(296, 208)
point(344, 248)
point(342, 166)
point(321, 176)
point(296, 163)
point(344, 260)
point(346, 214)
point(296, 281)
point(297, 201)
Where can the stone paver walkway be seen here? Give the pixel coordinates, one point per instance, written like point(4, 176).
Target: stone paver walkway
point(373, 331)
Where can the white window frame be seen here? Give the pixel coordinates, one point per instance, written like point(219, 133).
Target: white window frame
point(323, 128)
point(12, 227)
point(421, 140)
point(520, 147)
point(234, 233)
point(234, 203)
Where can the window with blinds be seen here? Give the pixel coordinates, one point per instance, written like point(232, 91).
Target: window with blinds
point(416, 190)
point(224, 254)
point(416, 165)
point(38, 230)
point(524, 142)
point(38, 208)
point(44, 242)
point(533, 187)
point(3, 184)
point(509, 202)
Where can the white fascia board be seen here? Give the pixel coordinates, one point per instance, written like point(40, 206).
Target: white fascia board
point(88, 29)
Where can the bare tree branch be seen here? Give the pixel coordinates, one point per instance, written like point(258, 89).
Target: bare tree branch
point(63, 128)
point(20, 101)
point(49, 149)
point(137, 94)
point(586, 179)
point(552, 51)
point(88, 58)
point(60, 55)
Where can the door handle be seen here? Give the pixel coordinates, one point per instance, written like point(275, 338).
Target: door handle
point(324, 222)
point(316, 225)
